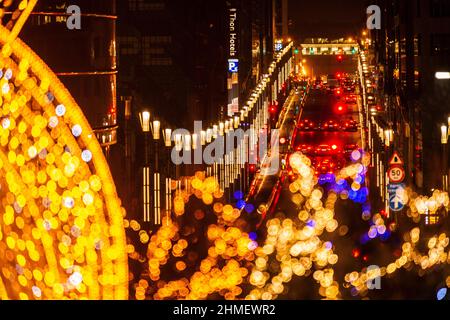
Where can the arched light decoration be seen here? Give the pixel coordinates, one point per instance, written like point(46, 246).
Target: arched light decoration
point(226, 126)
point(221, 128)
point(48, 266)
point(215, 131)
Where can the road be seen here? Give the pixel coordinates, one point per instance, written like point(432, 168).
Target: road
point(321, 106)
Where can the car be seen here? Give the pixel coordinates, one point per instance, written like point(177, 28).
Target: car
point(306, 125)
point(349, 148)
point(349, 89)
point(330, 125)
point(350, 99)
point(306, 149)
point(323, 149)
point(324, 165)
point(349, 125)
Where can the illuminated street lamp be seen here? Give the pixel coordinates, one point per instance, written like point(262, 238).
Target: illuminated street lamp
point(444, 143)
point(144, 118)
point(209, 135)
point(440, 75)
point(167, 137)
point(444, 134)
point(388, 137)
point(145, 121)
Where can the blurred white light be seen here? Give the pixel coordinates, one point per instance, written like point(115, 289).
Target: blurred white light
point(442, 75)
point(76, 130)
point(60, 110)
point(86, 155)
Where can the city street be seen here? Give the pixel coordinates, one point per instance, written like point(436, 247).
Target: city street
point(224, 150)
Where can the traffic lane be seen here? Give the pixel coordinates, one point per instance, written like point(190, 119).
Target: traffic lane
point(338, 138)
point(323, 106)
point(263, 184)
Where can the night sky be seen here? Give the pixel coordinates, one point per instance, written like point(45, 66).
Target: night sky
point(327, 18)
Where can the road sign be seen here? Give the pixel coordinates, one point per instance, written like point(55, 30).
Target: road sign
point(396, 160)
point(395, 201)
point(396, 174)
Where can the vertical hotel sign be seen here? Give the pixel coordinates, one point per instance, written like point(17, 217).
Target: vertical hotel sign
point(233, 62)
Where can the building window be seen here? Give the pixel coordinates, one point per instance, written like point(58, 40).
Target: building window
point(146, 5)
point(153, 51)
point(417, 45)
point(128, 45)
point(440, 44)
point(439, 8)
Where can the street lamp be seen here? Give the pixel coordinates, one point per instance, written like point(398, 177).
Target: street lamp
point(444, 143)
point(442, 75)
point(167, 136)
point(144, 118)
point(155, 127)
point(444, 134)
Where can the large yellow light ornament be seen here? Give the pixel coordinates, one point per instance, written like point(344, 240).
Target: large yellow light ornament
point(61, 223)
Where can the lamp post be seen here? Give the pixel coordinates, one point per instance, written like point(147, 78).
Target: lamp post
point(444, 144)
point(155, 127)
point(144, 118)
point(167, 136)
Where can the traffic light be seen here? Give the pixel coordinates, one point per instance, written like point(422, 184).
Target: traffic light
point(296, 51)
point(340, 58)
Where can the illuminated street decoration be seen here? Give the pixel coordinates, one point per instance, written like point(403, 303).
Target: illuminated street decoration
point(61, 222)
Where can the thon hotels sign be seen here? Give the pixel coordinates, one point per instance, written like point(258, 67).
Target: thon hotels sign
point(233, 60)
point(232, 34)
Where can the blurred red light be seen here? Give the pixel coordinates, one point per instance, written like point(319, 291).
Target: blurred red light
point(356, 253)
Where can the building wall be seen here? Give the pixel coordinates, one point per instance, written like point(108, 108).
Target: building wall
point(85, 60)
point(172, 59)
point(414, 44)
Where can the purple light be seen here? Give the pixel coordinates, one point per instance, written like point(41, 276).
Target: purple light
point(238, 195)
point(249, 208)
point(356, 155)
point(253, 236)
point(240, 204)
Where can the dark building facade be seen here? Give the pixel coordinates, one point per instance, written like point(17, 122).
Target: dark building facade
point(412, 46)
point(173, 55)
point(84, 59)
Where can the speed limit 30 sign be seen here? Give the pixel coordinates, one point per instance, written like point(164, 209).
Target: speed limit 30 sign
point(396, 174)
